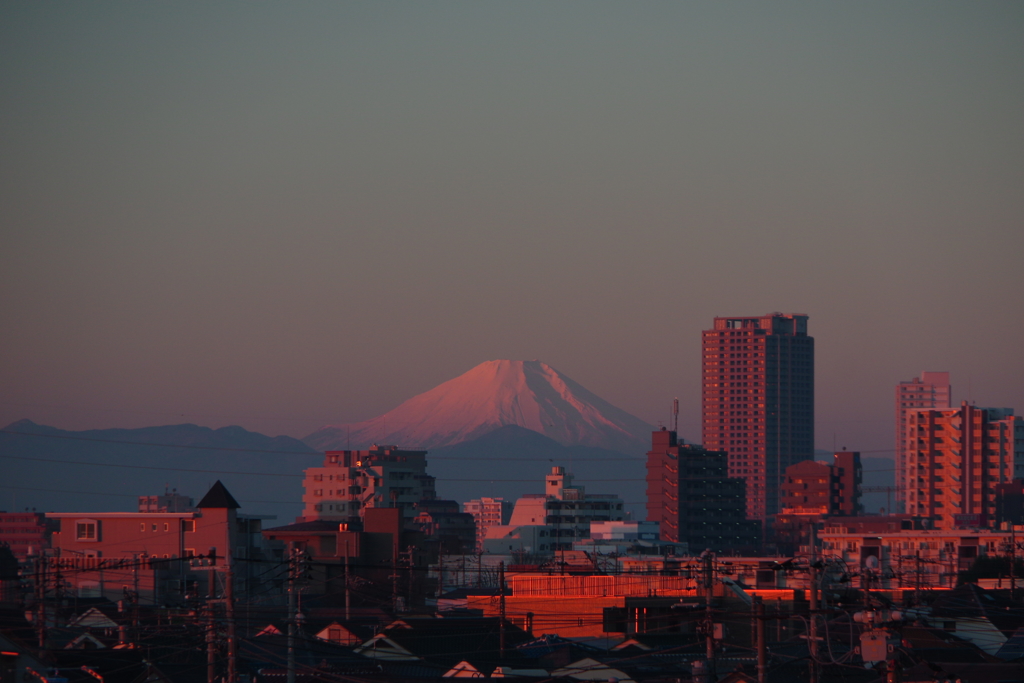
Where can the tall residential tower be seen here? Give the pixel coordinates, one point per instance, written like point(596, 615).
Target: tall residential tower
point(758, 400)
point(957, 458)
point(930, 390)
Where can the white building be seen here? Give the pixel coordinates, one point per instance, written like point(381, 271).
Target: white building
point(487, 512)
point(551, 521)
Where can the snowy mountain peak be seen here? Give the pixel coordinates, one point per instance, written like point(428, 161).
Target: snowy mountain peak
point(496, 393)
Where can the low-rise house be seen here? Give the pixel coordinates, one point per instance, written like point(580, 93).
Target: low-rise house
point(155, 556)
point(985, 618)
point(449, 643)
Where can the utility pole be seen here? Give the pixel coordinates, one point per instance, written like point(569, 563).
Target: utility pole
point(229, 606)
point(408, 550)
point(501, 610)
point(762, 648)
point(394, 583)
point(135, 597)
point(709, 624)
point(211, 645)
point(440, 570)
point(812, 642)
point(348, 601)
point(292, 558)
point(40, 586)
point(917, 557)
point(1013, 560)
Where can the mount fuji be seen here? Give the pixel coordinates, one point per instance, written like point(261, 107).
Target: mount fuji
point(499, 428)
point(496, 394)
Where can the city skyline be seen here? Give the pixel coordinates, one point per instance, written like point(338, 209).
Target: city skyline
point(758, 400)
point(286, 219)
point(397, 341)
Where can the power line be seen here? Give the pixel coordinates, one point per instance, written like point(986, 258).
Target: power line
point(148, 467)
point(276, 452)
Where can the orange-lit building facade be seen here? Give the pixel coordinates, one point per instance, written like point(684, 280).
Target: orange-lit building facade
point(956, 458)
point(817, 488)
point(758, 400)
point(812, 493)
point(351, 481)
point(930, 390)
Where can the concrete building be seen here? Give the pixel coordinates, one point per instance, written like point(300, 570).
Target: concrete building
point(909, 557)
point(619, 539)
point(817, 488)
point(156, 554)
point(445, 526)
point(487, 512)
point(27, 533)
point(955, 459)
point(544, 523)
point(758, 400)
point(351, 481)
point(371, 552)
point(1010, 502)
point(694, 500)
point(930, 390)
point(813, 492)
point(170, 501)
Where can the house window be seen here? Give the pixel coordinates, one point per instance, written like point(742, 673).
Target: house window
point(142, 526)
point(167, 526)
point(188, 525)
point(85, 530)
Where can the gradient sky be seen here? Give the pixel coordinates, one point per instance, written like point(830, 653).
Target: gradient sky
point(287, 215)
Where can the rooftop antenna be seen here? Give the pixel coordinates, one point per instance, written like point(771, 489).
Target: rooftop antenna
point(675, 415)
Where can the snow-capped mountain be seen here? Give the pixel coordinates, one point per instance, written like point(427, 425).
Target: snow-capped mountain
point(494, 394)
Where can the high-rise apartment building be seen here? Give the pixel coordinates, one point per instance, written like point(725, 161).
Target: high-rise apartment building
point(758, 400)
point(930, 390)
point(694, 500)
point(351, 481)
point(956, 458)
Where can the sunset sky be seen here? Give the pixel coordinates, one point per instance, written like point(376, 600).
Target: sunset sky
point(282, 216)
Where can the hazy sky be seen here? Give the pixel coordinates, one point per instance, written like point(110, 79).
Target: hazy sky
point(286, 215)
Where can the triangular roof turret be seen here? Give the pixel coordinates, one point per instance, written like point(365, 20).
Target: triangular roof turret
point(218, 497)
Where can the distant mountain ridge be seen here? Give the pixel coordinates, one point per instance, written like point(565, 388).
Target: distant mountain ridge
point(511, 461)
point(495, 394)
point(55, 469)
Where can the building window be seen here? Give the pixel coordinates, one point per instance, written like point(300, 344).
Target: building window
point(142, 526)
point(167, 526)
point(85, 530)
point(188, 525)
